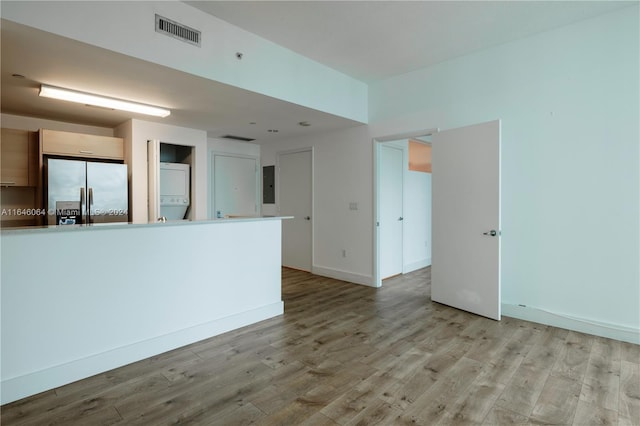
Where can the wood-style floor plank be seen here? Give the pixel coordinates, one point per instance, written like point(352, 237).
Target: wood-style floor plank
point(527, 383)
point(601, 385)
point(558, 401)
point(344, 354)
point(629, 399)
point(590, 414)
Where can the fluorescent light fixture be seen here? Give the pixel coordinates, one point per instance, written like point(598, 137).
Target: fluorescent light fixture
point(100, 101)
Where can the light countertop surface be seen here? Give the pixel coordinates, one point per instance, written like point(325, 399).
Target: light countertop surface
point(107, 226)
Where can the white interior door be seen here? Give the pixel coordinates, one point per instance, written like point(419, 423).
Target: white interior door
point(235, 186)
point(465, 270)
point(294, 190)
point(391, 210)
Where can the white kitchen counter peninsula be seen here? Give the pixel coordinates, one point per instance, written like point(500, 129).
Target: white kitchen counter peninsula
point(83, 300)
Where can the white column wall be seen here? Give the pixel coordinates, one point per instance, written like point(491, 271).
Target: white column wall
point(136, 134)
point(82, 301)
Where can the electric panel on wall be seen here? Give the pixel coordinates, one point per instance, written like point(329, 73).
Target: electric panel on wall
point(268, 185)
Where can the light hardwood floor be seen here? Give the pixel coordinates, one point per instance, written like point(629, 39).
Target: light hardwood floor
point(348, 354)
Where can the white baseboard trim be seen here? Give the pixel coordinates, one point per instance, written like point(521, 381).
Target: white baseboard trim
point(343, 275)
point(583, 325)
point(414, 266)
point(30, 384)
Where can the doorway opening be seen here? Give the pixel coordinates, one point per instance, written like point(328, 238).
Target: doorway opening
point(465, 218)
point(402, 198)
point(171, 183)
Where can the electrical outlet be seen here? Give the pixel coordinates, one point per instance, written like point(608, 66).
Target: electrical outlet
point(344, 253)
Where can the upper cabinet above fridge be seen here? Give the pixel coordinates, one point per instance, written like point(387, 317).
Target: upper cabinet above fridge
point(81, 145)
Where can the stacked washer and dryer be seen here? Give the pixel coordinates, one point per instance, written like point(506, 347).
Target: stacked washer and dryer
point(174, 190)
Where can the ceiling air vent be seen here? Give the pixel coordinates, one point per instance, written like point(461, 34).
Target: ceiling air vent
point(237, 138)
point(176, 30)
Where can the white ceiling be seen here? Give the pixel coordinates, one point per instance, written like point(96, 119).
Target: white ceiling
point(372, 40)
point(364, 39)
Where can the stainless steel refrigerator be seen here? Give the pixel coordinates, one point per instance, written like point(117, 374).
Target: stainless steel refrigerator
point(85, 192)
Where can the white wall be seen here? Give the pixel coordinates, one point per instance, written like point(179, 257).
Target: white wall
point(568, 100)
point(127, 27)
point(343, 172)
point(136, 134)
point(569, 105)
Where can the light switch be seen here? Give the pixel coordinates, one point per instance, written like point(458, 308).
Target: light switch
point(353, 206)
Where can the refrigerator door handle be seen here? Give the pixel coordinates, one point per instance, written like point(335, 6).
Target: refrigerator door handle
point(90, 205)
point(81, 200)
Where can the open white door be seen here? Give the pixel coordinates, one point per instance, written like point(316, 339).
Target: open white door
point(465, 270)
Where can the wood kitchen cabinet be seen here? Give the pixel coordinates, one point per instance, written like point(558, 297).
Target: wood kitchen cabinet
point(20, 182)
point(68, 144)
point(18, 158)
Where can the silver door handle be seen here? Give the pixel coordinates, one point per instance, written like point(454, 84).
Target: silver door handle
point(491, 233)
point(90, 205)
point(307, 218)
point(81, 200)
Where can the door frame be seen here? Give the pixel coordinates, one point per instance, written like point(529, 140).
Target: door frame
point(377, 144)
point(212, 174)
point(313, 182)
point(153, 180)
